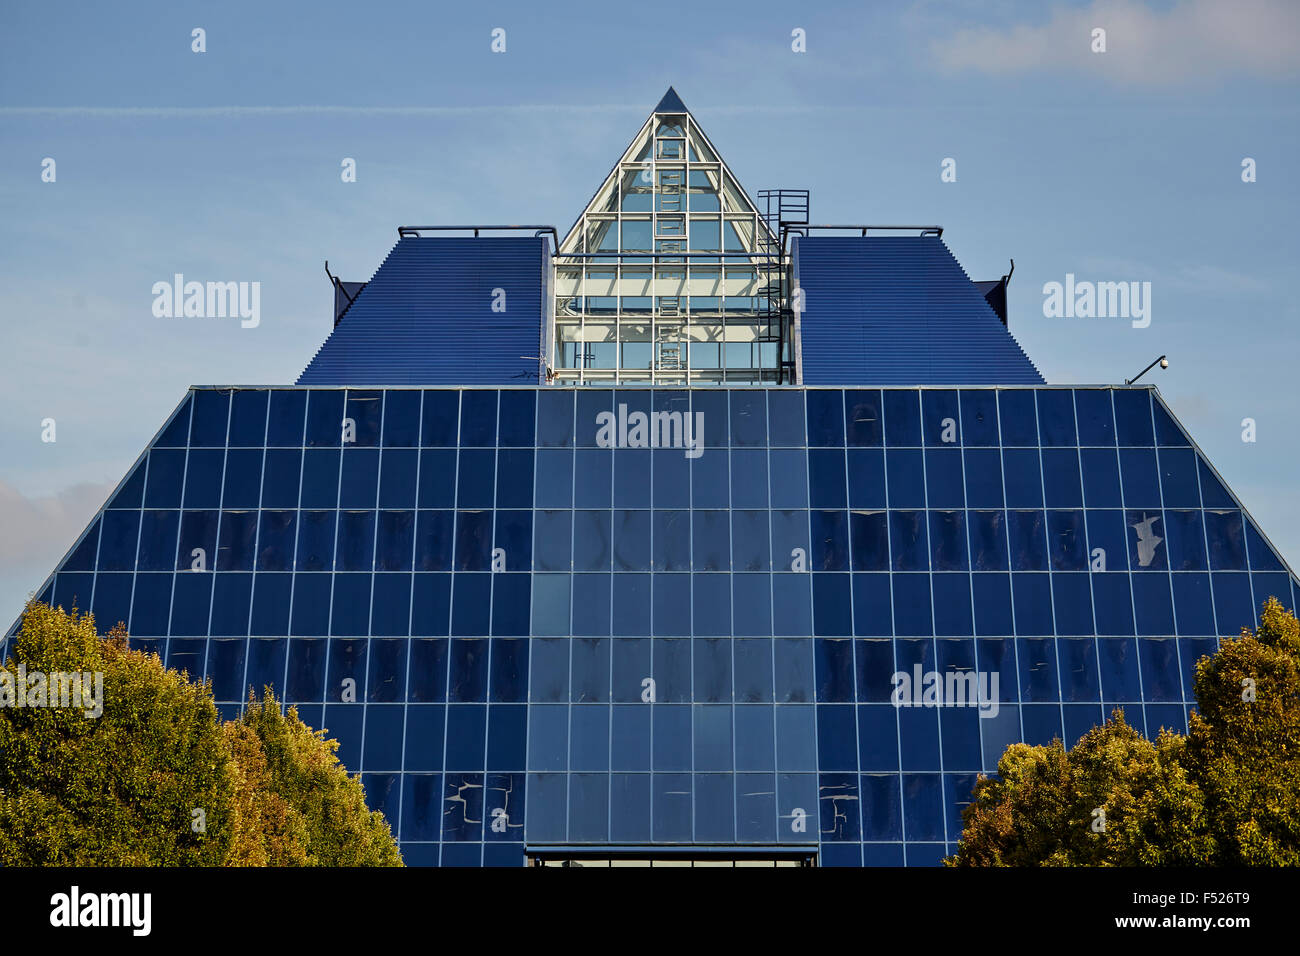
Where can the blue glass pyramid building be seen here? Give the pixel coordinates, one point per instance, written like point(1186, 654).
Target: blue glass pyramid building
point(609, 545)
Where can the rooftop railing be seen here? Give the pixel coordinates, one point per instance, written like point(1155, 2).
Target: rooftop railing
point(405, 232)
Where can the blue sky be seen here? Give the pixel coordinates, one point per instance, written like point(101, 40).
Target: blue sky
point(1115, 166)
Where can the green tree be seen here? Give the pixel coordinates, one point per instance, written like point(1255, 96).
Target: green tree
point(266, 831)
point(119, 789)
point(156, 779)
point(304, 775)
point(1243, 746)
point(1114, 799)
point(1227, 793)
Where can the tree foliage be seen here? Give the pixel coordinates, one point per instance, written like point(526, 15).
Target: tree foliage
point(310, 798)
point(157, 779)
point(1227, 793)
point(119, 789)
point(1243, 746)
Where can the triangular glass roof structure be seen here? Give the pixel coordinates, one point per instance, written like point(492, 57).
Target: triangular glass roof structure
point(670, 192)
point(671, 103)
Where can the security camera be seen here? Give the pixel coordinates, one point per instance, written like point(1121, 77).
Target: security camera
point(1164, 363)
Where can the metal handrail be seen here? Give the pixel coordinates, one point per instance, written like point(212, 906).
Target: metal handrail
point(405, 232)
point(802, 229)
point(936, 231)
point(660, 255)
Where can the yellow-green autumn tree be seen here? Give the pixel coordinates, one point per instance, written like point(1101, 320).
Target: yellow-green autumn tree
point(305, 793)
point(1243, 743)
point(156, 779)
point(1228, 793)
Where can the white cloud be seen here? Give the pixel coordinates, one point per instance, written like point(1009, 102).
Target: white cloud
point(38, 532)
point(1197, 278)
point(1190, 40)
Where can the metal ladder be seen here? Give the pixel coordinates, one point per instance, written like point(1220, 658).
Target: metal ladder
point(782, 208)
point(669, 189)
point(668, 336)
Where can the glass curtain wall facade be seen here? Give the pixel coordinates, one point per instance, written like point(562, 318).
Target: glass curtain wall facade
point(669, 275)
point(528, 641)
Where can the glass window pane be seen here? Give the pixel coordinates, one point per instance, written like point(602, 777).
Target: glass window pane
point(1226, 539)
point(1018, 417)
point(948, 541)
point(908, 540)
point(902, 417)
point(1056, 416)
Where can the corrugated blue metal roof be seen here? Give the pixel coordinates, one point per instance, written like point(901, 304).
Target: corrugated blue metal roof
point(898, 310)
point(426, 318)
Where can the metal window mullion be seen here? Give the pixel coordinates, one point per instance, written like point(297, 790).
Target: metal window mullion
point(189, 435)
point(293, 563)
point(451, 606)
point(1015, 634)
point(893, 630)
point(338, 496)
point(532, 590)
point(1091, 588)
point(609, 786)
point(569, 703)
point(1123, 512)
point(487, 689)
point(934, 640)
point(853, 629)
point(771, 617)
point(374, 543)
point(1169, 573)
point(690, 531)
point(221, 511)
point(731, 614)
point(970, 564)
point(410, 612)
point(1056, 638)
